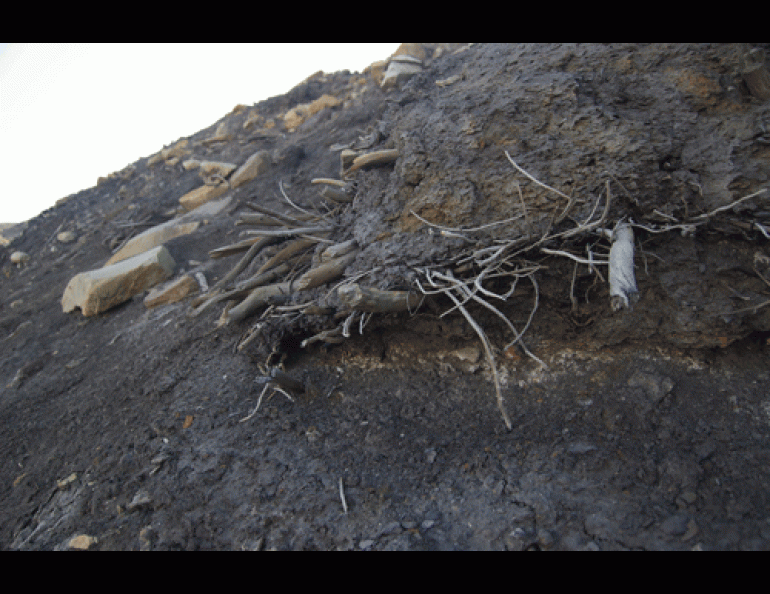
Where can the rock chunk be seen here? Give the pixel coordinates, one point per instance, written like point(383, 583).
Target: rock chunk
point(164, 232)
point(82, 542)
point(415, 50)
point(257, 164)
point(200, 196)
point(400, 69)
point(211, 171)
point(298, 114)
point(19, 258)
point(171, 154)
point(66, 237)
point(171, 292)
point(98, 290)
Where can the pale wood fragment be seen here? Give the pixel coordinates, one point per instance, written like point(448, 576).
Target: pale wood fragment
point(287, 252)
point(373, 158)
point(338, 249)
point(323, 273)
point(256, 299)
point(369, 299)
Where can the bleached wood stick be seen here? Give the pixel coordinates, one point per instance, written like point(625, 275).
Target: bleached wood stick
point(236, 248)
point(622, 278)
point(323, 273)
point(338, 249)
point(336, 195)
point(289, 232)
point(287, 252)
point(380, 157)
point(281, 217)
point(256, 299)
point(340, 183)
point(255, 218)
point(368, 299)
point(245, 261)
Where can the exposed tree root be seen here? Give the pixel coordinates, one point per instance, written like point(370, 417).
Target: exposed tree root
point(310, 258)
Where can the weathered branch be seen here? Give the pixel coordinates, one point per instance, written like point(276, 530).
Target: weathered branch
point(323, 273)
point(241, 290)
point(359, 298)
point(235, 248)
point(336, 195)
point(338, 249)
point(259, 297)
point(339, 183)
point(289, 232)
point(287, 252)
point(244, 261)
point(373, 158)
point(297, 221)
point(247, 218)
point(333, 336)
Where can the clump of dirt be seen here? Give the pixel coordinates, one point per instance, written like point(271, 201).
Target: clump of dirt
point(641, 428)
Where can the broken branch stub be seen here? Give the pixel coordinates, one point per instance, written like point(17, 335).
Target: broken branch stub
point(338, 249)
point(287, 252)
point(373, 158)
point(261, 296)
point(248, 218)
point(622, 278)
point(368, 299)
point(235, 248)
point(290, 232)
point(256, 299)
point(335, 195)
point(323, 273)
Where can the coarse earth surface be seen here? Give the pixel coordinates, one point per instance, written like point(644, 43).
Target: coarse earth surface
point(645, 428)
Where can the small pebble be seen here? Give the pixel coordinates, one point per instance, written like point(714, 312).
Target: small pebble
point(675, 525)
point(19, 258)
point(365, 545)
point(82, 542)
point(66, 236)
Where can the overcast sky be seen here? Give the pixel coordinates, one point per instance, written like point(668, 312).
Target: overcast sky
point(70, 113)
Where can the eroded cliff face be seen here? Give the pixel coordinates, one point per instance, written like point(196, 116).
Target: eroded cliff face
point(479, 184)
point(670, 128)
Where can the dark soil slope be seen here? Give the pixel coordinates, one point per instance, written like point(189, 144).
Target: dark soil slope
point(499, 174)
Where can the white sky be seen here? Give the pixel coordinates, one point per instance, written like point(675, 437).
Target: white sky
point(70, 113)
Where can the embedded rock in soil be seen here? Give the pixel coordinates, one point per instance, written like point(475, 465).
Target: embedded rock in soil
point(98, 290)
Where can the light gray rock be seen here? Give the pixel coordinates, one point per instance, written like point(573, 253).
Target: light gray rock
point(171, 292)
point(19, 258)
point(66, 237)
point(164, 232)
point(255, 165)
point(398, 73)
point(98, 290)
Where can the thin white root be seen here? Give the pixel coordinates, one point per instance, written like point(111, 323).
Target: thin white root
point(708, 215)
point(262, 394)
point(342, 498)
point(490, 359)
point(256, 408)
point(577, 259)
point(538, 182)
